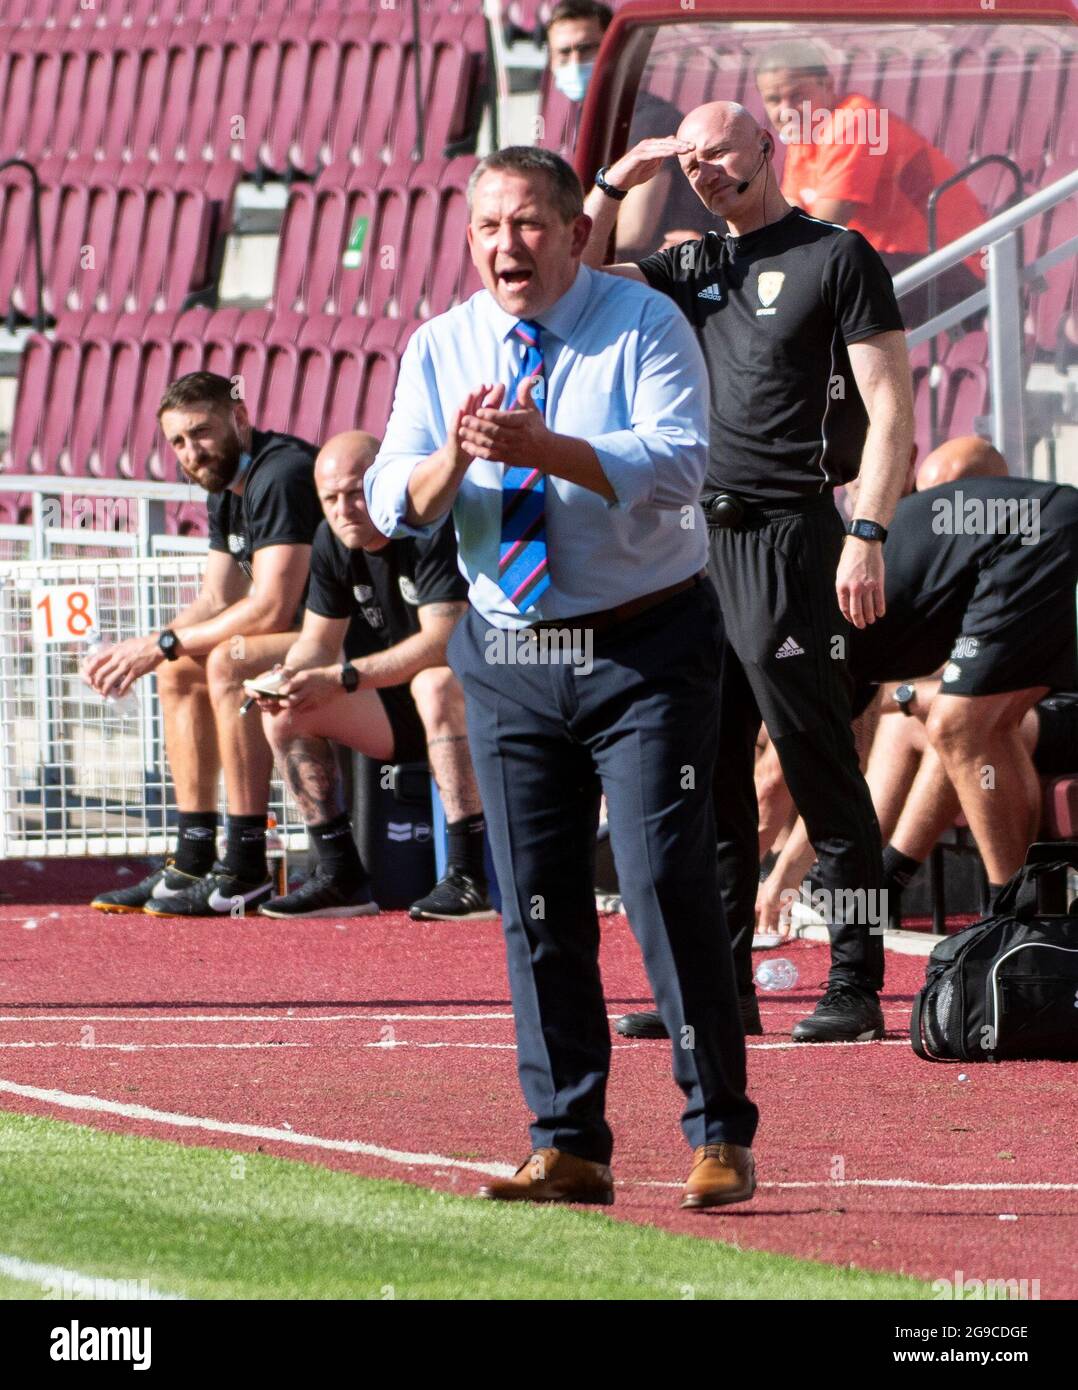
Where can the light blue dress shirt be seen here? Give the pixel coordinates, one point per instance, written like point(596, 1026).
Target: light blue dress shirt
point(625, 372)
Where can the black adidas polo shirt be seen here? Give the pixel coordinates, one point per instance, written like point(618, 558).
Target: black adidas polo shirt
point(774, 311)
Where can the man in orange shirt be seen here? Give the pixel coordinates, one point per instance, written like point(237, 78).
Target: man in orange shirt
point(857, 164)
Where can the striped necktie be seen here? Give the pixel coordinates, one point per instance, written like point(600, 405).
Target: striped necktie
point(523, 571)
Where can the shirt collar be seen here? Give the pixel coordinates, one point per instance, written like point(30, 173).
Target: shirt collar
point(742, 245)
point(559, 320)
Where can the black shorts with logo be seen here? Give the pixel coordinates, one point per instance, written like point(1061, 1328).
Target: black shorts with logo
point(1017, 631)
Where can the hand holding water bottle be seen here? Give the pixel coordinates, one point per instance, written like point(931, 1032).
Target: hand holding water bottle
point(98, 671)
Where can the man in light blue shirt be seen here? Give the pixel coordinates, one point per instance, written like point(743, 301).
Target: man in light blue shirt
point(562, 416)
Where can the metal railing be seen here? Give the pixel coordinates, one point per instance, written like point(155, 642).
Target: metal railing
point(1002, 296)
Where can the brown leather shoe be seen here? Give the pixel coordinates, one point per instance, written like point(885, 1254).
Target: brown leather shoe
point(552, 1176)
point(721, 1174)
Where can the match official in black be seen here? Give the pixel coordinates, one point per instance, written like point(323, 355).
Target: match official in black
point(810, 386)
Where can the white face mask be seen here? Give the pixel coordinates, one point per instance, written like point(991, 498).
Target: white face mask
point(572, 80)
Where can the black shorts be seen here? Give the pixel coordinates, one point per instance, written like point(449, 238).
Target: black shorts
point(1017, 631)
point(1056, 752)
point(409, 735)
point(1019, 628)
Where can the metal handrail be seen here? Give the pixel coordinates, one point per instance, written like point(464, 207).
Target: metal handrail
point(40, 318)
point(101, 487)
point(993, 230)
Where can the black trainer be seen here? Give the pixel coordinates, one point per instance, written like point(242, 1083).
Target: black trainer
point(844, 1014)
point(320, 895)
point(218, 894)
point(650, 1024)
point(456, 897)
point(162, 885)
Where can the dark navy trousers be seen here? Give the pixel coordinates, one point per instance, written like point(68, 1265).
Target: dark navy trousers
point(640, 725)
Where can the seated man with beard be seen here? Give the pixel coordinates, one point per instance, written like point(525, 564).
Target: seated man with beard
point(263, 513)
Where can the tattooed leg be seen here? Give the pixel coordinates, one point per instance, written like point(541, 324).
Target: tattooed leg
point(314, 778)
point(440, 702)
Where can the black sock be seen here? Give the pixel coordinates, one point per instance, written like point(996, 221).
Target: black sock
point(994, 890)
point(332, 842)
point(898, 868)
point(466, 842)
point(196, 845)
point(245, 856)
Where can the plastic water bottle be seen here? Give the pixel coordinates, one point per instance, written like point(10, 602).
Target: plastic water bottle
point(126, 706)
point(776, 974)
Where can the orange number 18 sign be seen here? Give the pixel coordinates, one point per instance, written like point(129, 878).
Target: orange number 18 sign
point(63, 613)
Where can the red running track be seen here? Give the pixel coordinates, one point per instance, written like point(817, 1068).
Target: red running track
point(385, 1047)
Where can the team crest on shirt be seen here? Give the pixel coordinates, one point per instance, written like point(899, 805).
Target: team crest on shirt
point(235, 543)
point(409, 592)
point(374, 615)
point(768, 287)
point(363, 592)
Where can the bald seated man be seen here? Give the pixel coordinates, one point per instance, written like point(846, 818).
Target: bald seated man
point(809, 387)
point(395, 701)
point(981, 574)
point(981, 569)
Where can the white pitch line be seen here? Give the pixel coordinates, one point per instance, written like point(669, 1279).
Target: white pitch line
point(902, 1184)
point(72, 1284)
point(157, 1047)
point(67, 1101)
point(253, 1018)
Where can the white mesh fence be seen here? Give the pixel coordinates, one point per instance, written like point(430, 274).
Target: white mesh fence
point(78, 775)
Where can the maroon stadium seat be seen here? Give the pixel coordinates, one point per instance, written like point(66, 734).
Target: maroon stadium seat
point(1053, 308)
point(1060, 819)
point(414, 261)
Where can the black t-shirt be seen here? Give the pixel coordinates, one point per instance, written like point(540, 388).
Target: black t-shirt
point(938, 546)
point(774, 311)
point(383, 590)
point(278, 506)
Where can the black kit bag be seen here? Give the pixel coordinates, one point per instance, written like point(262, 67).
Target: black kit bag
point(1006, 988)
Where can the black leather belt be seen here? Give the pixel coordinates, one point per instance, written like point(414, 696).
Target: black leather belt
point(612, 617)
point(726, 511)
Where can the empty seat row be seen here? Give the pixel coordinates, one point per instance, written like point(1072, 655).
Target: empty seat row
point(288, 96)
point(113, 237)
point(111, 387)
point(392, 246)
point(52, 14)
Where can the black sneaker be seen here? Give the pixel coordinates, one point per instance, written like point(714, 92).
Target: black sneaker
point(844, 1014)
point(456, 897)
point(650, 1025)
point(322, 896)
point(218, 894)
point(164, 884)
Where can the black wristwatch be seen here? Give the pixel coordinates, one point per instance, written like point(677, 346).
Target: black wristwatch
point(868, 531)
point(169, 644)
point(903, 698)
point(608, 188)
point(349, 677)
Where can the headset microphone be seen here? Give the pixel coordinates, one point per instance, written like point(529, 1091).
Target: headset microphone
point(746, 182)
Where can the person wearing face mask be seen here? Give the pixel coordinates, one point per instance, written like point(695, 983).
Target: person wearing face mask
point(263, 512)
point(662, 211)
point(809, 387)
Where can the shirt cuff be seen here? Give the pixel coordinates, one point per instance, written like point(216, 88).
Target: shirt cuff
point(387, 500)
point(629, 468)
